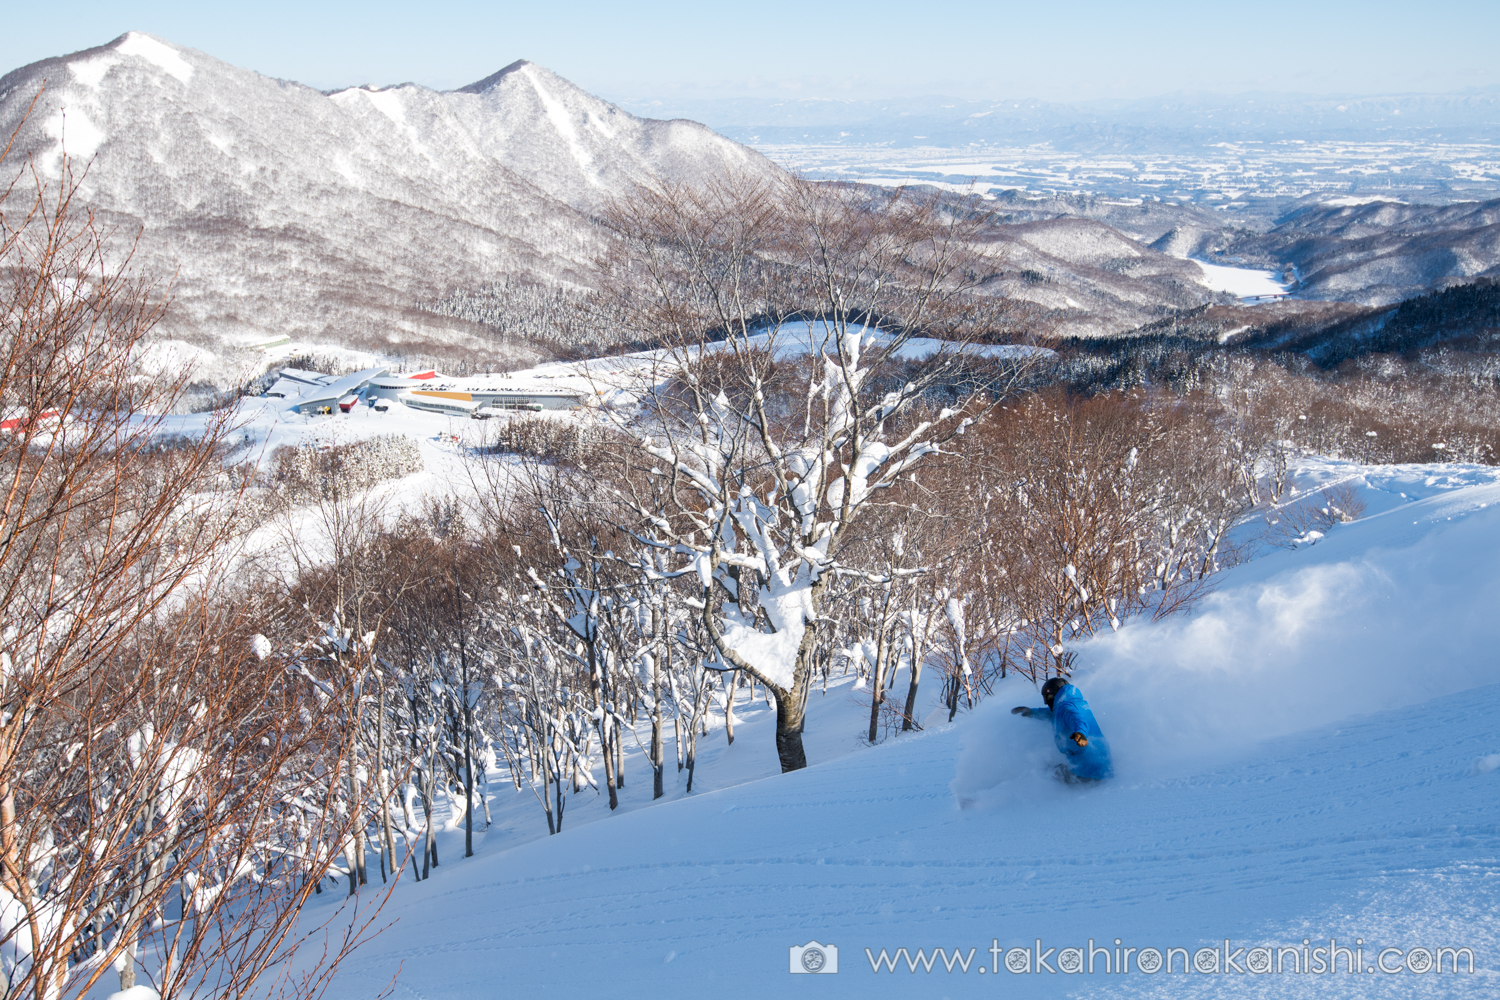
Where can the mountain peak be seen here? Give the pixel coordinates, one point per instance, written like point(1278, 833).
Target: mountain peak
point(162, 54)
point(481, 86)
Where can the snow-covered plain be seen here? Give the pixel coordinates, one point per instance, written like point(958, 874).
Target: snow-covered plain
point(1225, 175)
point(1310, 754)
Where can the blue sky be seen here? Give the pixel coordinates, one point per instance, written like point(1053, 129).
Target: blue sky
point(1063, 50)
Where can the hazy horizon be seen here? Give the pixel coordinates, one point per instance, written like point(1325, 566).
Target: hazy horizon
point(1077, 51)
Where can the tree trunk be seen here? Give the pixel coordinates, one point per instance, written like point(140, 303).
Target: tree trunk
point(468, 717)
point(596, 683)
point(657, 749)
point(429, 836)
point(432, 851)
point(184, 921)
point(353, 871)
point(619, 757)
point(789, 713)
point(468, 797)
point(383, 780)
point(918, 654)
point(692, 737)
point(658, 764)
point(877, 677)
point(127, 968)
point(734, 683)
point(791, 705)
point(545, 756)
point(911, 692)
point(606, 725)
point(557, 779)
point(356, 852)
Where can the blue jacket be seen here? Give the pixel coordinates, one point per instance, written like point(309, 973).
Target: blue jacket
point(1070, 714)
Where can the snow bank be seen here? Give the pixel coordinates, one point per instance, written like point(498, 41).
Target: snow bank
point(136, 992)
point(1383, 613)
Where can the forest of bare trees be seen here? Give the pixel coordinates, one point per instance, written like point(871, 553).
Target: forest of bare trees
point(168, 798)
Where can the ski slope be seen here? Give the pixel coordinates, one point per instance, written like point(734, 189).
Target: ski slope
point(1312, 754)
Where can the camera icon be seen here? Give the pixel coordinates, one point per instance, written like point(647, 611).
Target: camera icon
point(814, 957)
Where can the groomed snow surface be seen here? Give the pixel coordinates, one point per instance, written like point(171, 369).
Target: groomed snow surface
point(1312, 754)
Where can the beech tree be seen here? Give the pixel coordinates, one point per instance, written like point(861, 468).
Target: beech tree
point(759, 488)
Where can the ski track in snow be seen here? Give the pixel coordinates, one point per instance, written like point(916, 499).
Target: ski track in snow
point(871, 853)
point(1330, 779)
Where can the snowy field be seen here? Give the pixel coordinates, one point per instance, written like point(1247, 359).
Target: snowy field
point(1223, 175)
point(1312, 755)
point(1242, 281)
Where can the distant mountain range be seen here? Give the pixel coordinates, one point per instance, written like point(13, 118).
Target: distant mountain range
point(1167, 124)
point(283, 210)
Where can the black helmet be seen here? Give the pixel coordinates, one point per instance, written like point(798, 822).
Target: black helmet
point(1050, 689)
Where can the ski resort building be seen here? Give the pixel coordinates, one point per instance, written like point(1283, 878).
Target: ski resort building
point(479, 396)
point(294, 382)
point(325, 396)
point(19, 421)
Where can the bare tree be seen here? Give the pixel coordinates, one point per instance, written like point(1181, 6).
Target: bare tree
point(758, 486)
point(132, 771)
point(1090, 511)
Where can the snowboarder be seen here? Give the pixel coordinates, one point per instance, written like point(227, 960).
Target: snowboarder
point(1074, 731)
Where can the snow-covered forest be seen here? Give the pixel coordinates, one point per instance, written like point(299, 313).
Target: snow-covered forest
point(812, 481)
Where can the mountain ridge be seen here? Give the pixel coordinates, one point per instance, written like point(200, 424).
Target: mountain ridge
point(479, 86)
point(287, 211)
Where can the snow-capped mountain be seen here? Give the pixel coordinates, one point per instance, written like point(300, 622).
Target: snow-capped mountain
point(285, 210)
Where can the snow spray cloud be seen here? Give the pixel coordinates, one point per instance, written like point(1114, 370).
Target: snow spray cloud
point(1375, 617)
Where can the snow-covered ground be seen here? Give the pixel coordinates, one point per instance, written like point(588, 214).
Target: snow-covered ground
point(1245, 282)
point(1312, 754)
point(263, 424)
point(1223, 175)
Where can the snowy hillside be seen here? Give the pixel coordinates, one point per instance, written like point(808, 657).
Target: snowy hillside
point(1310, 755)
point(283, 210)
point(1377, 251)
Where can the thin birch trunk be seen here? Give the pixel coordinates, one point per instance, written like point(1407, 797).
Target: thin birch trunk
point(383, 780)
point(657, 748)
point(596, 683)
point(734, 683)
